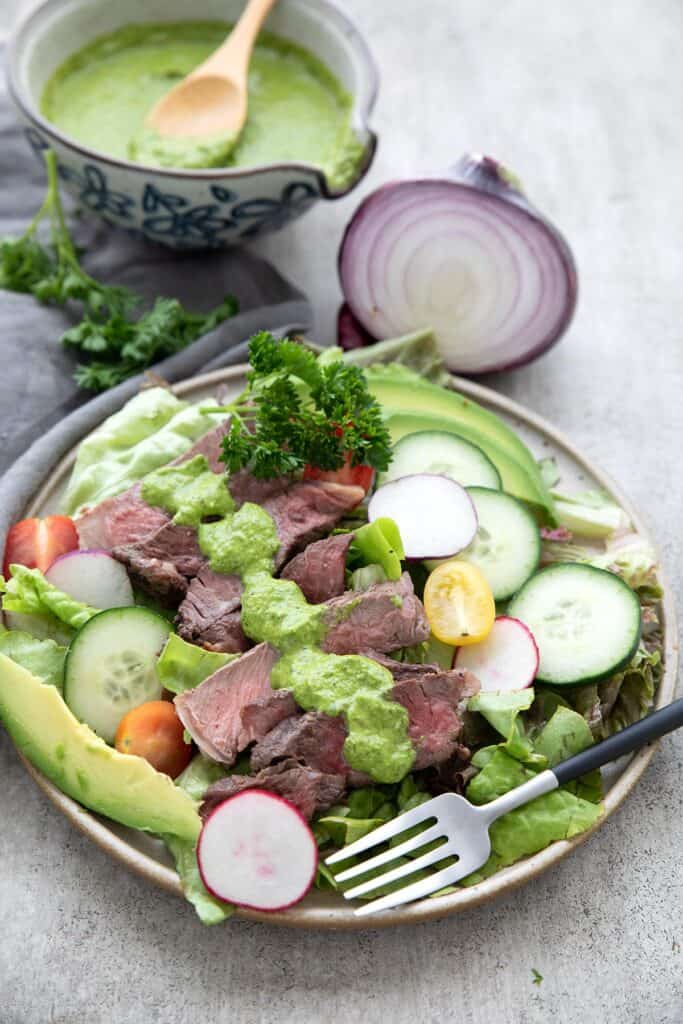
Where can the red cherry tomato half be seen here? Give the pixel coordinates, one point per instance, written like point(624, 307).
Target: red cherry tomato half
point(36, 543)
point(358, 476)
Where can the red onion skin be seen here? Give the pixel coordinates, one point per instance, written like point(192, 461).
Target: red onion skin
point(350, 332)
point(487, 175)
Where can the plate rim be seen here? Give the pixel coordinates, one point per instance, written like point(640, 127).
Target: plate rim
point(341, 917)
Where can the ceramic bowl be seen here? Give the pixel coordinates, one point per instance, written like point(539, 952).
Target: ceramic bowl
point(187, 208)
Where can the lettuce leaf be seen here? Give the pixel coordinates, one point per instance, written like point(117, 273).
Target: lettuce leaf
point(589, 514)
point(27, 592)
point(502, 710)
point(151, 430)
point(195, 780)
point(417, 352)
point(622, 699)
point(182, 666)
point(43, 658)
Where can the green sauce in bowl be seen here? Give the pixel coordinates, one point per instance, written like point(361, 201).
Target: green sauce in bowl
point(298, 111)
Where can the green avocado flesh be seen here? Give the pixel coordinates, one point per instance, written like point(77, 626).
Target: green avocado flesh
point(298, 111)
point(412, 405)
point(120, 786)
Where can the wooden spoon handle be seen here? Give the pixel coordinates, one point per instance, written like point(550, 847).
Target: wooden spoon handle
point(234, 55)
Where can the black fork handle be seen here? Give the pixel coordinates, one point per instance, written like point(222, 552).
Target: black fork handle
point(658, 724)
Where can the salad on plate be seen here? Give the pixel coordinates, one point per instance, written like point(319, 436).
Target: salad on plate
point(259, 628)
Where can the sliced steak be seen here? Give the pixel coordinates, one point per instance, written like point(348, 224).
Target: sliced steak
point(309, 790)
point(124, 519)
point(307, 511)
point(320, 570)
point(210, 445)
point(245, 487)
point(162, 563)
point(314, 739)
point(219, 713)
point(435, 704)
point(383, 618)
point(210, 613)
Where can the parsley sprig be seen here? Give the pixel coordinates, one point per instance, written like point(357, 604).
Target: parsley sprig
point(115, 345)
point(298, 410)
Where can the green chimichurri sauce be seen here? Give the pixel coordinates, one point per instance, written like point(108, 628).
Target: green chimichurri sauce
point(275, 611)
point(298, 111)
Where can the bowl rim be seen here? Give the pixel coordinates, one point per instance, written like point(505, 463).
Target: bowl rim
point(363, 105)
point(339, 915)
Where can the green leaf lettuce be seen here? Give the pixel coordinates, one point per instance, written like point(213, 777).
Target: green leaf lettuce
point(182, 666)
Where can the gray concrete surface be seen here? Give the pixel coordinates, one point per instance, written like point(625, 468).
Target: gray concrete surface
point(583, 101)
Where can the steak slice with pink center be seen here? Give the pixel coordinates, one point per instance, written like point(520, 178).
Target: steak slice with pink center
point(220, 713)
point(320, 570)
point(383, 618)
point(210, 613)
point(307, 511)
point(309, 790)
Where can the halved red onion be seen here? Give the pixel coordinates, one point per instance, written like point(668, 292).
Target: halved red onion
point(466, 255)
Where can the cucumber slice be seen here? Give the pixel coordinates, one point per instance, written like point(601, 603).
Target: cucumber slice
point(111, 666)
point(507, 547)
point(444, 454)
point(586, 622)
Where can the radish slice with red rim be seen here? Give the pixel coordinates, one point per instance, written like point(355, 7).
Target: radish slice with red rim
point(435, 515)
point(465, 254)
point(256, 850)
point(506, 660)
point(93, 577)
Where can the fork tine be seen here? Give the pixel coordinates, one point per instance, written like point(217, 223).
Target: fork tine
point(425, 887)
point(392, 828)
point(391, 854)
point(432, 857)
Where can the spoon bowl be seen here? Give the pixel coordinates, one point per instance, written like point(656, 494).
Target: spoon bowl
point(201, 107)
point(212, 99)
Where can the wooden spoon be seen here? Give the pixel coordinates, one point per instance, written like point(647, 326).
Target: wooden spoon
point(212, 99)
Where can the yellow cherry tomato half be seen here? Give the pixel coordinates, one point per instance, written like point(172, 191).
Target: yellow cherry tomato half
point(459, 604)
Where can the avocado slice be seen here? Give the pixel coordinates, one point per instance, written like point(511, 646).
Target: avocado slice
point(120, 786)
point(515, 478)
point(399, 388)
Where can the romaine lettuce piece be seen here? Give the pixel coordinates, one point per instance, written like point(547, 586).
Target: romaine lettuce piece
point(502, 710)
point(182, 666)
point(42, 658)
point(27, 592)
point(150, 431)
point(589, 514)
point(195, 780)
point(565, 735)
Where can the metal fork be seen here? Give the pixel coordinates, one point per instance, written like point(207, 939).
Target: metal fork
point(465, 827)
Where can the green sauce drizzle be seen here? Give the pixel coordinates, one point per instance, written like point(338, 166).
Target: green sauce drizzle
point(275, 611)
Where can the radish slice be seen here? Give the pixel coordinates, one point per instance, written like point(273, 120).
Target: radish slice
point(93, 577)
point(256, 850)
point(506, 660)
point(466, 254)
point(435, 515)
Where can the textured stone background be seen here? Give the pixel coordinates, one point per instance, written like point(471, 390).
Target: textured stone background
point(583, 101)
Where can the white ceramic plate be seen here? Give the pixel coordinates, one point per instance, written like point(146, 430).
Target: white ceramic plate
point(148, 857)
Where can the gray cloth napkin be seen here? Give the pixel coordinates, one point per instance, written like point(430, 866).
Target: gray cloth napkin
point(42, 413)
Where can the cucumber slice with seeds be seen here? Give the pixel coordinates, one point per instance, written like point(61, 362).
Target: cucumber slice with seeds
point(111, 666)
point(443, 454)
point(586, 622)
point(507, 547)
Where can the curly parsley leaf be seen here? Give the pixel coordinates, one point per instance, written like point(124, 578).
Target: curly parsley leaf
point(115, 345)
point(296, 413)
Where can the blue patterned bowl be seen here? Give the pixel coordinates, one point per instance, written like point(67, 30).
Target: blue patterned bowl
point(198, 208)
